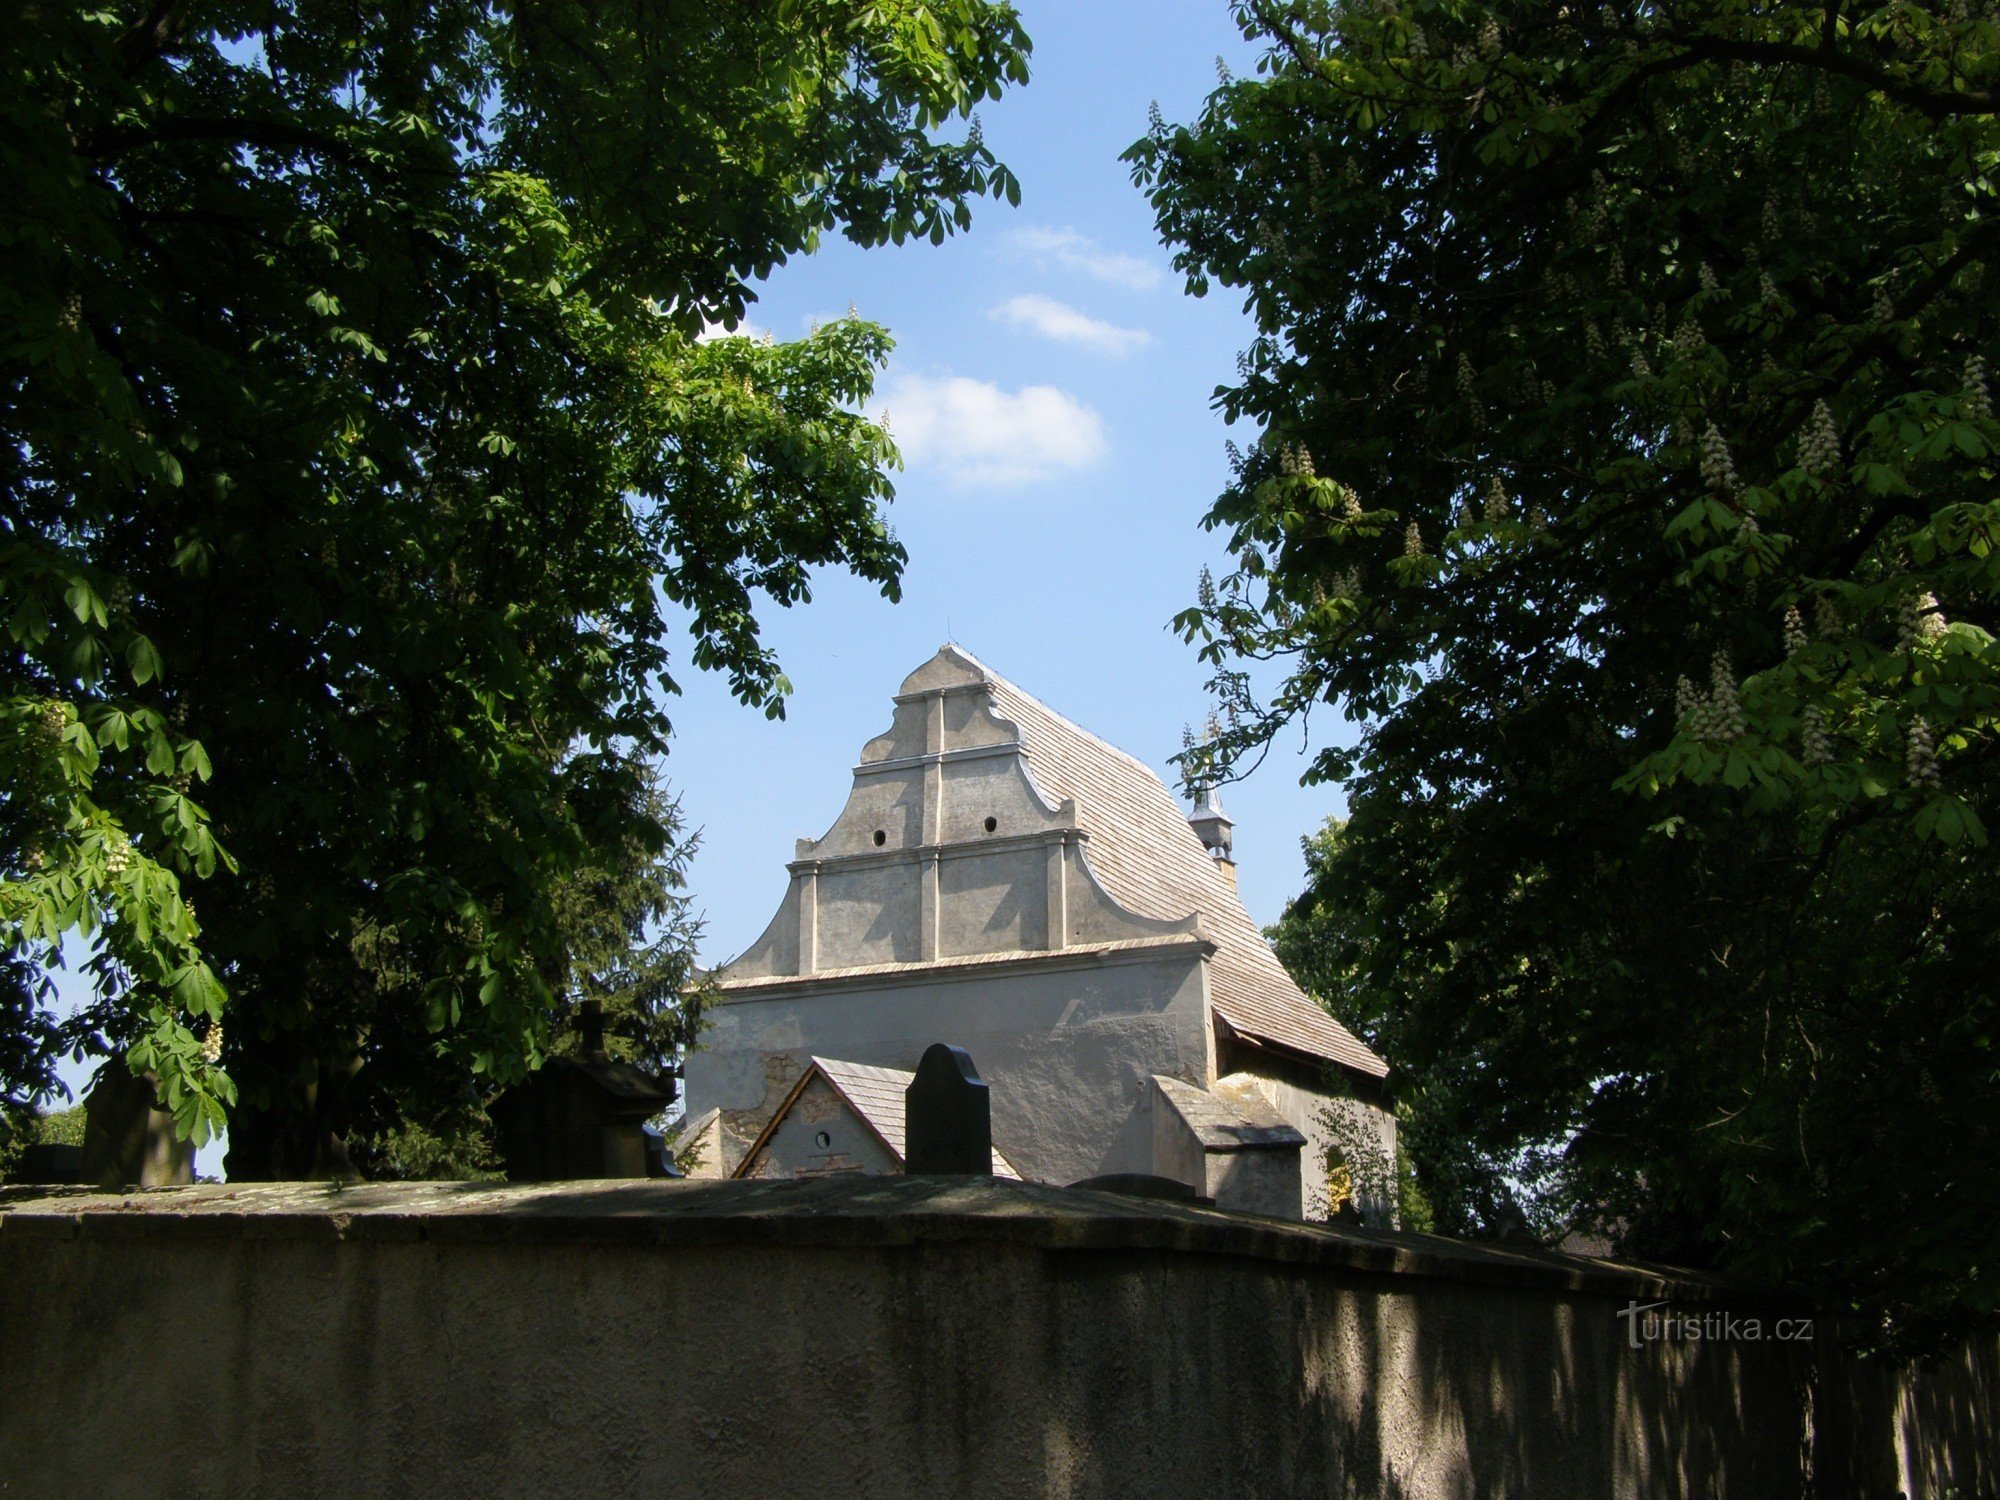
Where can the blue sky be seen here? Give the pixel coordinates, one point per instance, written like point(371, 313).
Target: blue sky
point(1051, 391)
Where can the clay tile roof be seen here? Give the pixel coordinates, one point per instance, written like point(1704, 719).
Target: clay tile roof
point(1151, 861)
point(876, 1094)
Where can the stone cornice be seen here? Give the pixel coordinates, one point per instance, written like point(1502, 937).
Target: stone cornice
point(944, 690)
point(946, 970)
point(958, 849)
point(938, 757)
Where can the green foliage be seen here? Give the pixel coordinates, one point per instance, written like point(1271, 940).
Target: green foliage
point(362, 444)
point(631, 933)
point(63, 1128)
point(628, 937)
point(1444, 1181)
point(1625, 472)
point(462, 1151)
point(1413, 1204)
point(689, 1156)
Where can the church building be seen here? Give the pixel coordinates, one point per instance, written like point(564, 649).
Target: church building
point(1005, 881)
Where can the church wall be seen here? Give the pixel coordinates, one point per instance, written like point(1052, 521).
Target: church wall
point(1177, 1151)
point(1068, 1050)
point(869, 914)
point(891, 803)
point(776, 951)
point(907, 734)
point(1251, 1180)
point(969, 721)
point(1365, 1132)
point(1255, 1182)
point(993, 903)
point(989, 787)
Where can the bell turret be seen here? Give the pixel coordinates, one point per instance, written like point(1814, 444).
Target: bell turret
point(1215, 829)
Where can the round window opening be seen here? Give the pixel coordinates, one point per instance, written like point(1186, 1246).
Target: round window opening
point(881, 838)
point(991, 824)
point(822, 1140)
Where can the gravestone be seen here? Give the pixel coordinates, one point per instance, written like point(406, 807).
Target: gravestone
point(47, 1165)
point(580, 1117)
point(128, 1140)
point(947, 1117)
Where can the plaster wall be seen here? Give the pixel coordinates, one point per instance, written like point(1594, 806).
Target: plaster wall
point(1067, 1050)
point(874, 1338)
point(945, 847)
point(1249, 1174)
point(1256, 1181)
point(869, 914)
point(1322, 1103)
point(794, 1149)
point(1909, 1427)
point(997, 904)
point(891, 802)
point(1177, 1150)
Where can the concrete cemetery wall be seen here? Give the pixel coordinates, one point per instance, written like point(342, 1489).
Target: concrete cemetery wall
point(878, 1336)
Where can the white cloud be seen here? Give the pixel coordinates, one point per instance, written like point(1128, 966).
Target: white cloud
point(743, 330)
point(1078, 252)
point(977, 434)
point(1058, 320)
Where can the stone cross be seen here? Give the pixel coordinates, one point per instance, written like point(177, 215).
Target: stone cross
point(947, 1116)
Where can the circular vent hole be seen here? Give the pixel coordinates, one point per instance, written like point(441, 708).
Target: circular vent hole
point(822, 1140)
point(991, 824)
point(881, 838)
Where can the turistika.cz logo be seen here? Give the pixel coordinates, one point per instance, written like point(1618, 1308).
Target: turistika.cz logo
point(1661, 1322)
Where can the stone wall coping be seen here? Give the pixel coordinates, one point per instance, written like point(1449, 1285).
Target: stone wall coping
point(852, 1213)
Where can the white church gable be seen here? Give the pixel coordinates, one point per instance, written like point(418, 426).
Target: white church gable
point(1005, 881)
point(947, 848)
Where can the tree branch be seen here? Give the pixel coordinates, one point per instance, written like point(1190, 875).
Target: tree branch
point(1936, 105)
point(146, 39)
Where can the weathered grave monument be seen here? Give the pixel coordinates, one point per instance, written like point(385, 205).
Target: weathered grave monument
point(581, 1116)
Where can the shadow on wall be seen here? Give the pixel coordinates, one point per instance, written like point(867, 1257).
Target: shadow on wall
point(1455, 1393)
point(1920, 1428)
point(898, 1335)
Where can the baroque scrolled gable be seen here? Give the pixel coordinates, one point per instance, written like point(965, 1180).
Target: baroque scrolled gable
point(949, 847)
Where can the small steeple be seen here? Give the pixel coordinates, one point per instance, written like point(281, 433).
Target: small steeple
point(1214, 827)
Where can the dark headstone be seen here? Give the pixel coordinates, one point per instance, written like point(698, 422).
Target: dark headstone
point(947, 1117)
point(580, 1117)
point(47, 1165)
point(128, 1140)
